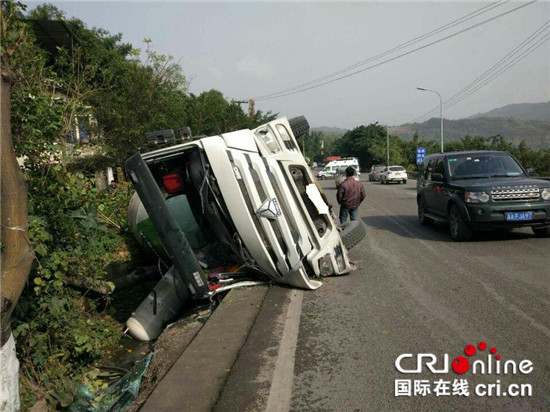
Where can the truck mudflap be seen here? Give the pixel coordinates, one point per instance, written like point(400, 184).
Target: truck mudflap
point(174, 240)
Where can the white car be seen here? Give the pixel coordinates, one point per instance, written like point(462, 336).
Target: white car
point(393, 174)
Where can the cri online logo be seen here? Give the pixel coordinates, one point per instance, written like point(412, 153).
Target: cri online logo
point(461, 365)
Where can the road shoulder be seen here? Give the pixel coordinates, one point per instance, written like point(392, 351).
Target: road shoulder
point(262, 376)
point(196, 379)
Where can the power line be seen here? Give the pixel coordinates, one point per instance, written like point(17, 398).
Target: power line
point(480, 78)
point(401, 46)
point(527, 52)
point(398, 56)
point(507, 61)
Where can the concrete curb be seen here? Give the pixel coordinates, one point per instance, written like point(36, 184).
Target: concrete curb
point(197, 378)
point(249, 386)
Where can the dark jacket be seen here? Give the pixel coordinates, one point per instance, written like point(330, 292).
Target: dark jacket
point(351, 193)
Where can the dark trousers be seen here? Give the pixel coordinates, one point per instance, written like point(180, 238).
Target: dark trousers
point(344, 214)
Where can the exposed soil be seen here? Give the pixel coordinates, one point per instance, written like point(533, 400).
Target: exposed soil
point(166, 351)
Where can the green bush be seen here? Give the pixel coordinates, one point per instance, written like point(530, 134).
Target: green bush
point(77, 232)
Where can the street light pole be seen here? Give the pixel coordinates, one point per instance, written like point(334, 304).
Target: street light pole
point(440, 111)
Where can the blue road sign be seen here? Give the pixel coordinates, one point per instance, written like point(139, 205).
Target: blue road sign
point(420, 154)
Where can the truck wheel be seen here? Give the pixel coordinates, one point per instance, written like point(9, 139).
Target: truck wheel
point(299, 125)
point(541, 231)
point(425, 221)
point(460, 231)
point(352, 233)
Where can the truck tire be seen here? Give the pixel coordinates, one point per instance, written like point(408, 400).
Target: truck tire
point(352, 233)
point(299, 125)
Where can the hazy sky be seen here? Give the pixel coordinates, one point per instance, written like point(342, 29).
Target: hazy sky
point(251, 49)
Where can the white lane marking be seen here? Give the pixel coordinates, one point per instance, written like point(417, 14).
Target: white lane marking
point(283, 376)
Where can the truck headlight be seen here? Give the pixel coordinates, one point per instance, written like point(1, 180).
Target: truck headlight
point(476, 197)
point(269, 140)
point(339, 257)
point(545, 193)
point(325, 266)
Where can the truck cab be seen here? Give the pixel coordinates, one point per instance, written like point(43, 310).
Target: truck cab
point(252, 195)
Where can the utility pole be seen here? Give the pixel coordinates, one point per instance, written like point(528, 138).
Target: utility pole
point(252, 109)
point(388, 144)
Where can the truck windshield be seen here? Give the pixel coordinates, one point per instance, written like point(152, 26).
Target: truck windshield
point(483, 166)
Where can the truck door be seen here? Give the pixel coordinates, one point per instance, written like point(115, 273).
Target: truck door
point(173, 239)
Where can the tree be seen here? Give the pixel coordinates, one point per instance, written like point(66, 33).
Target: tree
point(365, 143)
point(16, 254)
point(312, 142)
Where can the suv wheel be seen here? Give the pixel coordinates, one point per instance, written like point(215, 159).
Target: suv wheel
point(460, 231)
point(425, 221)
point(541, 231)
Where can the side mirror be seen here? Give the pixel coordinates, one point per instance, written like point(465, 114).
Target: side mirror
point(530, 172)
point(437, 177)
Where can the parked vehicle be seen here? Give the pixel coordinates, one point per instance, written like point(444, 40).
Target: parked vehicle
point(393, 174)
point(252, 197)
point(332, 168)
point(374, 174)
point(481, 190)
point(341, 176)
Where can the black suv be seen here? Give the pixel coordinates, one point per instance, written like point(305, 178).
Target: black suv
point(481, 190)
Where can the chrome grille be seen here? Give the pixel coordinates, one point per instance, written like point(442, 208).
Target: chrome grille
point(503, 195)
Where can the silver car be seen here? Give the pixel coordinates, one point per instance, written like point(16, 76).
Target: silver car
point(374, 174)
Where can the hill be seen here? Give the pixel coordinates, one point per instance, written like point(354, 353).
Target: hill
point(523, 111)
point(535, 133)
point(329, 130)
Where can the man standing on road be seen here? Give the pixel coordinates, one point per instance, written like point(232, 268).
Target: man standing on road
point(349, 196)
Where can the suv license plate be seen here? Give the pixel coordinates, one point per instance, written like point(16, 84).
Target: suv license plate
point(515, 216)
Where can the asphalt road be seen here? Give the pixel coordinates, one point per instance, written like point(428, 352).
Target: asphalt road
point(417, 291)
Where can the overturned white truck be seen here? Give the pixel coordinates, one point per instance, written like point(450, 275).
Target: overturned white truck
point(250, 196)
